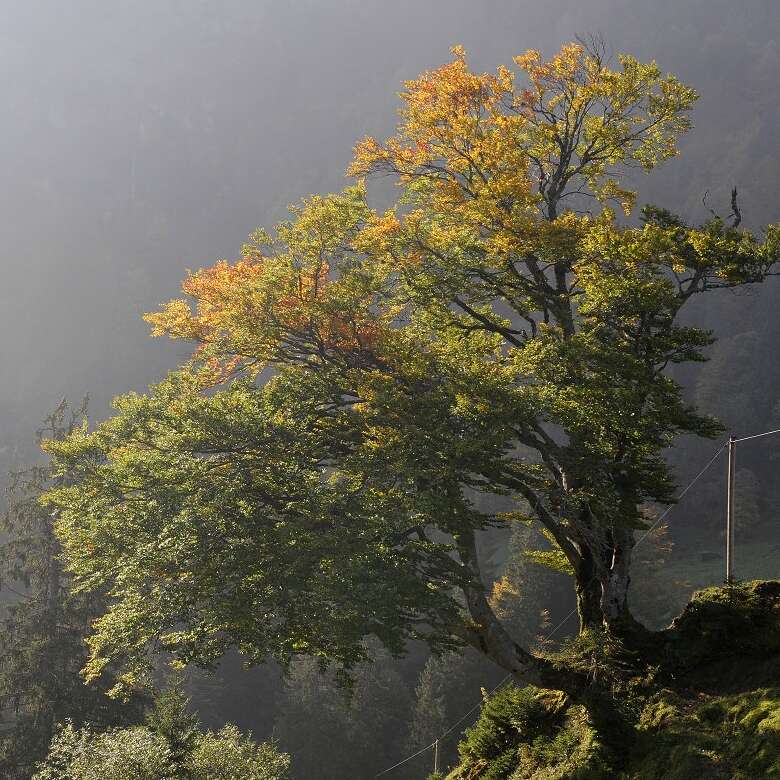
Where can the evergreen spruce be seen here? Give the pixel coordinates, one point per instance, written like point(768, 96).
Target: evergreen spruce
point(42, 625)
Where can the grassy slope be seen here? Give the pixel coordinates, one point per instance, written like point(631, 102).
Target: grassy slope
point(753, 560)
point(660, 593)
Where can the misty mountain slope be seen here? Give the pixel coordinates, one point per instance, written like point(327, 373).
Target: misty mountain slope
point(145, 138)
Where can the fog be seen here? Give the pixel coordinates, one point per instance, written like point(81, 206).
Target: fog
point(140, 139)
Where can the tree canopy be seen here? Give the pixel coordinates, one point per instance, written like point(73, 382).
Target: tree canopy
point(364, 380)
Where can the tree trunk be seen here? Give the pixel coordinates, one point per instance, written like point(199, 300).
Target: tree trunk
point(614, 598)
point(588, 591)
point(602, 587)
point(487, 634)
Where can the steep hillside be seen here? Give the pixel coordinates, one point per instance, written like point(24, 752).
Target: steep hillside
point(699, 700)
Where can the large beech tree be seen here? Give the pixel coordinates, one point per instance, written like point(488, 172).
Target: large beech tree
point(314, 475)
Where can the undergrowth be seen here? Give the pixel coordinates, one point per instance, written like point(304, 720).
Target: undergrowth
point(700, 699)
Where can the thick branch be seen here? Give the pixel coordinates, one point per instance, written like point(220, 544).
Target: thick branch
point(548, 520)
point(486, 634)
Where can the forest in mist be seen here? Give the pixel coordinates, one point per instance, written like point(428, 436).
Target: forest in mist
point(146, 138)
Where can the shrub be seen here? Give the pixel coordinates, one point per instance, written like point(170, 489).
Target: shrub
point(120, 754)
point(230, 755)
point(524, 731)
point(139, 753)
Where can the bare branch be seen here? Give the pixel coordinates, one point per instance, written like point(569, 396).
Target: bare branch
point(735, 212)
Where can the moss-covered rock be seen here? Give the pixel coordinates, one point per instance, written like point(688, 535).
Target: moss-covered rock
point(700, 699)
point(737, 621)
point(736, 737)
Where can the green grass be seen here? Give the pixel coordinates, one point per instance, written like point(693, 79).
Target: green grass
point(736, 737)
point(753, 560)
point(670, 588)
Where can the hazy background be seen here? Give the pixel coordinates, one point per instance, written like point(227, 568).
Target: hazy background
point(139, 139)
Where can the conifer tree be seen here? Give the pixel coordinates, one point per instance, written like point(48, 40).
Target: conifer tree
point(43, 625)
point(332, 732)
